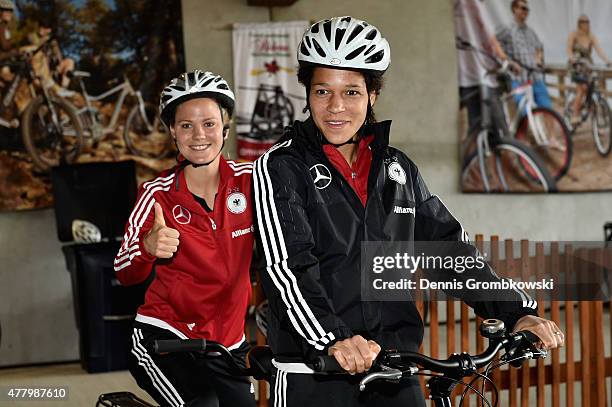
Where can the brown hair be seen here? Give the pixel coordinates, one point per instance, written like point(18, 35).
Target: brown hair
point(515, 3)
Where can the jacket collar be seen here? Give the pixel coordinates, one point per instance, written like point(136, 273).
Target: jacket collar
point(186, 197)
point(313, 138)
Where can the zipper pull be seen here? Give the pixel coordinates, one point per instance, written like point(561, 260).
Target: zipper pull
point(353, 175)
point(214, 225)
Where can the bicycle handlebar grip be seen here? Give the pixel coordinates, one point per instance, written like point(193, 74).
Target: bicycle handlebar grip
point(327, 364)
point(179, 345)
point(530, 337)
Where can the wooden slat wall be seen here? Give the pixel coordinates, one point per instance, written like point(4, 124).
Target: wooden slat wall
point(524, 274)
point(593, 364)
point(540, 271)
point(511, 271)
point(589, 370)
point(555, 315)
point(569, 329)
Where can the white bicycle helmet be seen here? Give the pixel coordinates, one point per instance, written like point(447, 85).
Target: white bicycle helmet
point(194, 84)
point(345, 42)
point(85, 232)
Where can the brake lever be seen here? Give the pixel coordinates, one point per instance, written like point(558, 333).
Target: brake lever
point(389, 374)
point(529, 352)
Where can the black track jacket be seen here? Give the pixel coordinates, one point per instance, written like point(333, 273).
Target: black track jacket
point(310, 225)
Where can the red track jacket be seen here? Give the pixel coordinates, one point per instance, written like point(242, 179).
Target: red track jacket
point(204, 289)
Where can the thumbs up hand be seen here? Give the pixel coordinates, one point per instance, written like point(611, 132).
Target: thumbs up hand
point(161, 241)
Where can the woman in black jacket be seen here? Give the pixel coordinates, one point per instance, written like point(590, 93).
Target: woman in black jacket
point(331, 183)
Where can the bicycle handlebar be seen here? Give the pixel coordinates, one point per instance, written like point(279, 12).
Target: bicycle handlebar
point(520, 342)
point(389, 365)
point(462, 44)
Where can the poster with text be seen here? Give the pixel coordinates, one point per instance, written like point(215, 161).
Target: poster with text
point(268, 95)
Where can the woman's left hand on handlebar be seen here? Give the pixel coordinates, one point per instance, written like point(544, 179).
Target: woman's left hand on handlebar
point(550, 335)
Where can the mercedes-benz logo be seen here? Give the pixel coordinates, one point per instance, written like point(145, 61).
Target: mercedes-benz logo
point(320, 175)
point(181, 215)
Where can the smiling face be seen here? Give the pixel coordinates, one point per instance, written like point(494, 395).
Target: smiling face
point(338, 102)
point(198, 130)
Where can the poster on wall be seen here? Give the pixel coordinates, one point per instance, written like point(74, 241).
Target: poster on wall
point(535, 86)
point(80, 82)
point(268, 94)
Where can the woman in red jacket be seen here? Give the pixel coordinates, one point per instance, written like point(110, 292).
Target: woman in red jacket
point(193, 226)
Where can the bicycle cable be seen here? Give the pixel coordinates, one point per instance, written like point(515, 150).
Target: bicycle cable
point(482, 396)
point(467, 385)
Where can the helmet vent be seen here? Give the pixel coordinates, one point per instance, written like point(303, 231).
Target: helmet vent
point(205, 84)
point(327, 30)
point(371, 35)
point(223, 86)
point(304, 50)
point(369, 49)
point(377, 57)
point(355, 33)
point(354, 53)
point(318, 48)
point(339, 35)
point(314, 29)
point(190, 78)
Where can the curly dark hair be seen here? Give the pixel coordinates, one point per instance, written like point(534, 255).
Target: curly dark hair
point(374, 82)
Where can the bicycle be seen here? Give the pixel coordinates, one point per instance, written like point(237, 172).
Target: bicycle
point(272, 112)
point(594, 106)
point(390, 365)
point(494, 162)
point(143, 131)
point(540, 128)
point(50, 128)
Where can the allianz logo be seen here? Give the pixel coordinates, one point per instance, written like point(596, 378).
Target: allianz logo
point(401, 209)
point(241, 232)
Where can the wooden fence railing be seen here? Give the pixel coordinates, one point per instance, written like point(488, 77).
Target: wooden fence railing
point(562, 85)
point(582, 365)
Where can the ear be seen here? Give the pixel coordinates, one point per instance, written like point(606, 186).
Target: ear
point(226, 130)
point(372, 97)
point(172, 132)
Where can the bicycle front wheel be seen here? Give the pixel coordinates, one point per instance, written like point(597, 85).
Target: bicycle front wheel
point(600, 125)
point(549, 138)
point(507, 168)
point(52, 132)
point(145, 134)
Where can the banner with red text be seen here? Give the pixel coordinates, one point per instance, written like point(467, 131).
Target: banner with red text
point(268, 95)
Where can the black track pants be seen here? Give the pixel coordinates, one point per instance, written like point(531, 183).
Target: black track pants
point(182, 379)
point(312, 390)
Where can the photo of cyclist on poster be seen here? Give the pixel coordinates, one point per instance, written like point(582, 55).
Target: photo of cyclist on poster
point(523, 70)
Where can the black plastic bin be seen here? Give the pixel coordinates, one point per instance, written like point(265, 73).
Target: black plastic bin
point(104, 309)
point(103, 194)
